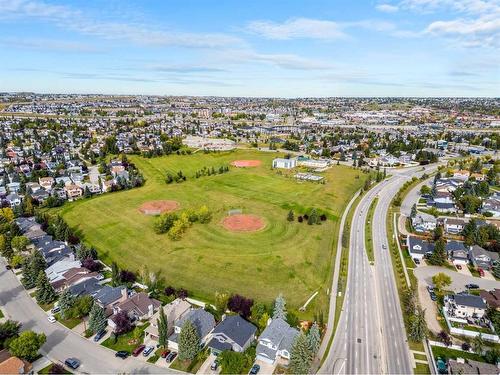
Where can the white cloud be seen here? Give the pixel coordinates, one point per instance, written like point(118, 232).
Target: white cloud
point(387, 8)
point(72, 19)
point(305, 28)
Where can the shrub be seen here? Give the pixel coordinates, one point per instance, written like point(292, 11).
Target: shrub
point(300, 219)
point(165, 222)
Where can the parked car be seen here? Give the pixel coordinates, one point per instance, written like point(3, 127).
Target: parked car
point(99, 277)
point(416, 260)
point(52, 318)
point(165, 353)
point(255, 369)
point(138, 350)
point(472, 286)
point(99, 335)
point(55, 310)
point(8, 267)
point(214, 365)
point(171, 357)
point(433, 296)
point(148, 350)
point(122, 354)
point(459, 267)
point(481, 272)
point(72, 363)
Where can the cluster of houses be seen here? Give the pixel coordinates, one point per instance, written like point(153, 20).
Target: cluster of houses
point(68, 183)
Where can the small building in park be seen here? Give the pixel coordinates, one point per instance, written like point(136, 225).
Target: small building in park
point(283, 163)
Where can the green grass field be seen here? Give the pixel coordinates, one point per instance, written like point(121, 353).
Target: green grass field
point(292, 258)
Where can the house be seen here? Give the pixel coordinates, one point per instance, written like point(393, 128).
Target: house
point(491, 205)
point(491, 297)
point(12, 365)
point(72, 277)
point(457, 252)
point(58, 269)
point(445, 207)
point(462, 175)
point(482, 258)
point(232, 333)
point(423, 222)
point(453, 225)
point(312, 163)
point(54, 251)
point(107, 297)
point(40, 196)
point(418, 248)
point(203, 321)
point(465, 306)
point(88, 287)
point(276, 341)
point(469, 366)
point(13, 199)
point(138, 307)
point(285, 163)
point(443, 197)
point(73, 191)
point(173, 311)
point(27, 223)
point(46, 182)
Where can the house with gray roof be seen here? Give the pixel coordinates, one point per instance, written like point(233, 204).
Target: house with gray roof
point(418, 248)
point(465, 306)
point(203, 321)
point(457, 252)
point(232, 333)
point(276, 341)
point(482, 258)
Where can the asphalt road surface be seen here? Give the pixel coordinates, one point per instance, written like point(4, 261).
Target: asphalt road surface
point(61, 342)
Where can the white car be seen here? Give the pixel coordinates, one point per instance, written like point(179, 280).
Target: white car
point(52, 318)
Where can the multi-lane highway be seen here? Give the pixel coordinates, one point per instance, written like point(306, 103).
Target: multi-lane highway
point(61, 342)
point(370, 337)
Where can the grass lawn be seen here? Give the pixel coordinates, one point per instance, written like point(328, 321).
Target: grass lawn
point(125, 342)
point(420, 356)
point(155, 356)
point(292, 258)
point(422, 368)
point(446, 353)
point(369, 231)
point(190, 366)
point(70, 323)
point(47, 370)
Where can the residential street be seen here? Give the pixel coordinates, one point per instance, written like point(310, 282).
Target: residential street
point(424, 275)
point(61, 342)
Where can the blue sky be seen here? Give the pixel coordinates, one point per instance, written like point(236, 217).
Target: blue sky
point(252, 48)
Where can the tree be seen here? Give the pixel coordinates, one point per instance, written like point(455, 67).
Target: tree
point(162, 329)
point(8, 330)
point(232, 362)
point(66, 302)
point(115, 274)
point(300, 355)
point(262, 323)
point(438, 256)
point(425, 190)
point(413, 211)
point(478, 344)
point(122, 323)
point(496, 269)
point(32, 267)
point(314, 338)
point(445, 338)
point(290, 217)
point(204, 215)
point(313, 217)
point(97, 319)
point(45, 293)
point(417, 326)
point(441, 280)
point(240, 304)
point(81, 307)
point(26, 346)
point(279, 310)
point(221, 299)
point(189, 342)
point(19, 243)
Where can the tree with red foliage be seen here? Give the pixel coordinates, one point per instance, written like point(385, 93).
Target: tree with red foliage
point(240, 305)
point(92, 265)
point(181, 293)
point(127, 276)
point(169, 291)
point(122, 323)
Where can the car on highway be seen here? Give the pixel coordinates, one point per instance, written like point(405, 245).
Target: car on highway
point(72, 363)
point(52, 318)
point(99, 335)
point(165, 353)
point(255, 369)
point(472, 286)
point(123, 354)
point(148, 350)
point(171, 356)
point(384, 247)
point(138, 350)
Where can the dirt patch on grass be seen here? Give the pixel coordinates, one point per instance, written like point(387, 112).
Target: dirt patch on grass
point(246, 163)
point(243, 223)
point(158, 207)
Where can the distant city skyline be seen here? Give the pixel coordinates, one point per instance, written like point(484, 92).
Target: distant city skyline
point(258, 48)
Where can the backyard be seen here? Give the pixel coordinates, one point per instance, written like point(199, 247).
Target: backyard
point(289, 257)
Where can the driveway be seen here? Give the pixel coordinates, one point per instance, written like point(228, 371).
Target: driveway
point(430, 307)
point(205, 367)
point(488, 275)
point(265, 368)
point(465, 271)
point(459, 280)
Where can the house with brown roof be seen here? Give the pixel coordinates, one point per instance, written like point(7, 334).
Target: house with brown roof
point(468, 366)
point(491, 297)
point(138, 307)
point(13, 365)
point(73, 191)
point(173, 311)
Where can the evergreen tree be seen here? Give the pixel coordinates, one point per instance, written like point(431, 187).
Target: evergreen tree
point(496, 269)
point(413, 211)
point(115, 274)
point(314, 338)
point(300, 356)
point(66, 302)
point(290, 216)
point(478, 344)
point(313, 217)
point(189, 342)
point(279, 307)
point(45, 293)
point(162, 329)
point(97, 319)
point(417, 325)
point(31, 269)
point(438, 256)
